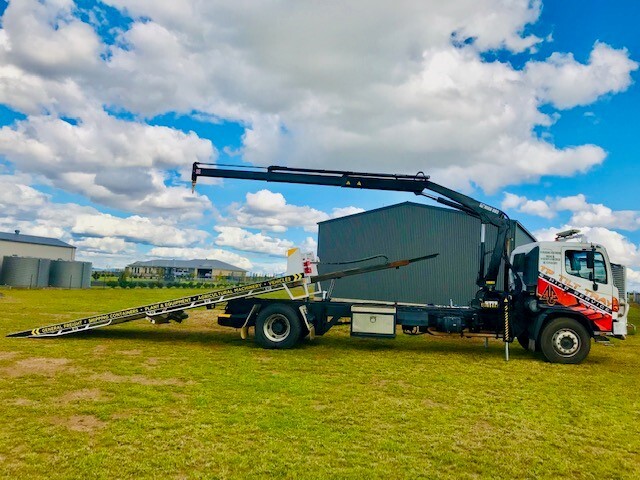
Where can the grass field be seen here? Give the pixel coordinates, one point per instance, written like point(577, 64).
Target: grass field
point(195, 401)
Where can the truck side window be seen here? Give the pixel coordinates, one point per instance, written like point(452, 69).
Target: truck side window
point(576, 264)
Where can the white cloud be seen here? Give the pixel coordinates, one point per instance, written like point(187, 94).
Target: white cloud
point(620, 249)
point(105, 259)
point(247, 59)
point(267, 210)
point(270, 211)
point(404, 93)
point(309, 245)
point(50, 66)
point(539, 208)
point(33, 212)
point(454, 116)
point(112, 162)
point(241, 239)
point(47, 59)
point(46, 38)
point(107, 239)
point(32, 94)
point(503, 26)
point(105, 245)
point(583, 212)
point(28, 227)
point(154, 231)
point(573, 202)
point(202, 252)
point(566, 83)
point(269, 268)
point(603, 216)
point(17, 197)
point(345, 211)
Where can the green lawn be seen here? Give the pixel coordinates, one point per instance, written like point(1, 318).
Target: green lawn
point(195, 401)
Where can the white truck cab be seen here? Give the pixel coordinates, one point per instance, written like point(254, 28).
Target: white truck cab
point(565, 283)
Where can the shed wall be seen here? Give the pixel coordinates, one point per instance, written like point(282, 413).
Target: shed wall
point(406, 231)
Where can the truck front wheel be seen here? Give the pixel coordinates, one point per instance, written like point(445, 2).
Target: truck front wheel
point(565, 340)
point(277, 326)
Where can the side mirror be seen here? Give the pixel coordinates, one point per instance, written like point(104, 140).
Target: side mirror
point(590, 260)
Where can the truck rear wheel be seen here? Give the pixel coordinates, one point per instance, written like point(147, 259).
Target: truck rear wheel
point(565, 340)
point(277, 326)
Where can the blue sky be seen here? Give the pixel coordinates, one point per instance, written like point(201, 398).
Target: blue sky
point(529, 106)
point(611, 121)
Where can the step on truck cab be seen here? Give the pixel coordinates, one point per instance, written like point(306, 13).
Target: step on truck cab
point(564, 294)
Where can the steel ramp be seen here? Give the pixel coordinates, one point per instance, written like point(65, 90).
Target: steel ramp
point(166, 307)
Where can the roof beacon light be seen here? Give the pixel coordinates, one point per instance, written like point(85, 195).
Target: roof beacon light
point(570, 235)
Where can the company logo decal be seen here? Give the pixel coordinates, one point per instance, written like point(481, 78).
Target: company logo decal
point(587, 299)
point(592, 306)
point(549, 296)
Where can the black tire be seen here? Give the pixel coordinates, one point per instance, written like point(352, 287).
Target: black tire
point(277, 326)
point(565, 340)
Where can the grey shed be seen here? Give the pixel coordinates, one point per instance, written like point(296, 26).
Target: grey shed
point(403, 231)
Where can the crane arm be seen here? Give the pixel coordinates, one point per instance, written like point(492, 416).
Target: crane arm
point(416, 184)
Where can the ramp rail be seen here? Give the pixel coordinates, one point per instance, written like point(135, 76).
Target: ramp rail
point(168, 307)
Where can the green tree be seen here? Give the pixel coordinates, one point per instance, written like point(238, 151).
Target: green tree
point(123, 277)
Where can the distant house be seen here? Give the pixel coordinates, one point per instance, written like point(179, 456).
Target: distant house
point(196, 269)
point(33, 246)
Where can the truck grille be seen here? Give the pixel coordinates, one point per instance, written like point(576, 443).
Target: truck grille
point(620, 279)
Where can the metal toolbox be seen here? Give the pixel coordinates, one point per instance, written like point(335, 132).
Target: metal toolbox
point(373, 321)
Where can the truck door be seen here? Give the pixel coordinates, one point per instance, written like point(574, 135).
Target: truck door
point(588, 285)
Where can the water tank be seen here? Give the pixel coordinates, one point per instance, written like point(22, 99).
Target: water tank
point(25, 272)
point(67, 274)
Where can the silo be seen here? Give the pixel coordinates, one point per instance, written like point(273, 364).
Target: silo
point(25, 272)
point(67, 274)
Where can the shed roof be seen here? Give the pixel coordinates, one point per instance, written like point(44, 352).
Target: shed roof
point(416, 205)
point(197, 263)
point(20, 238)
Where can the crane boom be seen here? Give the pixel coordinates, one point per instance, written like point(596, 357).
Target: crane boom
point(416, 184)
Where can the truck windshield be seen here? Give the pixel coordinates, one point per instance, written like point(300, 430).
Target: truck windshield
point(576, 264)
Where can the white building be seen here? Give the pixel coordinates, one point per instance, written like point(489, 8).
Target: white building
point(196, 269)
point(32, 246)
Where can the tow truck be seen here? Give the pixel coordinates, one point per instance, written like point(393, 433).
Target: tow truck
point(557, 297)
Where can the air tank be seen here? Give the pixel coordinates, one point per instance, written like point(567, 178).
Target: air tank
point(25, 272)
point(69, 274)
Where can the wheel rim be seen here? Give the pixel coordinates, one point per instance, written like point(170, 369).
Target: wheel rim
point(566, 342)
point(277, 327)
